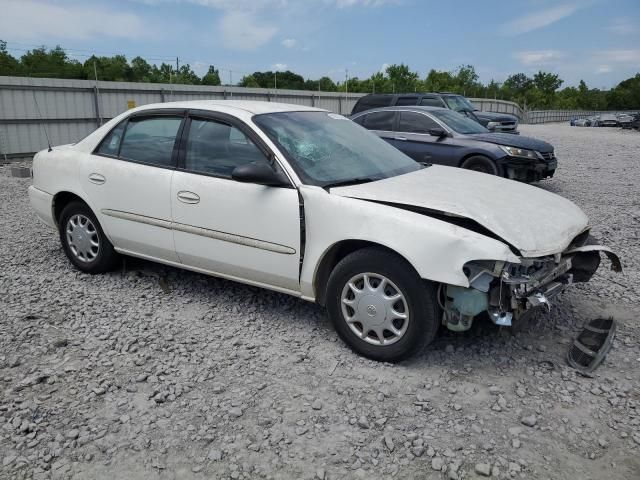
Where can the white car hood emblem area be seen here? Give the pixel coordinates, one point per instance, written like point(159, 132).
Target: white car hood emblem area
point(534, 221)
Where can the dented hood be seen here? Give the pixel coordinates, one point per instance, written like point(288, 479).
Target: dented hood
point(534, 221)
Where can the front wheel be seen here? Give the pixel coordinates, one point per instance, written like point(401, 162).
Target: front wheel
point(380, 306)
point(481, 164)
point(83, 240)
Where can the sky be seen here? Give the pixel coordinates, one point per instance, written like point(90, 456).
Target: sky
point(594, 40)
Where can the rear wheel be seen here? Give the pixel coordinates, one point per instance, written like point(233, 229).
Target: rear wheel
point(83, 240)
point(479, 163)
point(380, 306)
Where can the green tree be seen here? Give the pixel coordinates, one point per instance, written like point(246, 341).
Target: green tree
point(53, 63)
point(186, 76)
point(625, 95)
point(8, 64)
point(249, 81)
point(141, 70)
point(114, 69)
point(212, 77)
point(401, 78)
point(466, 80)
point(439, 81)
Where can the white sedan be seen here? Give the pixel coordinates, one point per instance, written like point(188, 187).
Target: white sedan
point(306, 202)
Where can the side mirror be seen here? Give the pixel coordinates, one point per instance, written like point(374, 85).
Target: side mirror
point(437, 132)
point(260, 173)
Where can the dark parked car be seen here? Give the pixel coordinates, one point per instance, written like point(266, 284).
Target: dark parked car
point(497, 122)
point(444, 137)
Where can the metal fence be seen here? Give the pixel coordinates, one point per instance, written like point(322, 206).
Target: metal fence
point(68, 110)
point(550, 116)
point(499, 106)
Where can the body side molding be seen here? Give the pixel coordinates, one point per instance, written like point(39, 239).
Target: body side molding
point(203, 232)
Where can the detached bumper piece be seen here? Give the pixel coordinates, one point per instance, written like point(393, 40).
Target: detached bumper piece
point(592, 345)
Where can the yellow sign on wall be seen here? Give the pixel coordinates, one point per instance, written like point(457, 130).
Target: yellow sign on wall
point(131, 104)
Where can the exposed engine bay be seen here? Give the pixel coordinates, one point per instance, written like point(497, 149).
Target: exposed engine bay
point(509, 291)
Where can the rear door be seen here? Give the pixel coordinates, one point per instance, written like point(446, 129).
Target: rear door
point(127, 180)
point(412, 138)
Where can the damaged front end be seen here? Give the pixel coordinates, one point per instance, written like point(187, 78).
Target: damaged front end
point(508, 291)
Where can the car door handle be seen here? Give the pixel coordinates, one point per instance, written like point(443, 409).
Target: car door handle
point(188, 197)
point(403, 139)
point(97, 178)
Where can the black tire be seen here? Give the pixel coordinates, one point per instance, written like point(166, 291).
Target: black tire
point(102, 258)
point(420, 296)
point(479, 163)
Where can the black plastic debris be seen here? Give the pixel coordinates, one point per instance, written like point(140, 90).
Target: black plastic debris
point(592, 345)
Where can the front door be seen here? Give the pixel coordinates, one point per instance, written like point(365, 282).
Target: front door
point(242, 231)
point(128, 183)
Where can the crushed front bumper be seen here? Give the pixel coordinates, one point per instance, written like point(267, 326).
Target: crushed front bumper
point(528, 170)
point(509, 291)
point(536, 281)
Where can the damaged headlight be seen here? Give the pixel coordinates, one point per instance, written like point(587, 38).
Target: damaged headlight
point(519, 152)
point(482, 272)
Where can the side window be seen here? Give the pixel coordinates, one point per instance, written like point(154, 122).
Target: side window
point(111, 143)
point(150, 140)
point(411, 122)
point(431, 102)
point(379, 121)
point(411, 100)
point(359, 120)
point(217, 148)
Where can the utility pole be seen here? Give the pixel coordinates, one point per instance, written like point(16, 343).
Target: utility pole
point(95, 72)
point(177, 65)
point(275, 80)
point(346, 82)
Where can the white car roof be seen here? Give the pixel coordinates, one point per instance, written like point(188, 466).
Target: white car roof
point(251, 106)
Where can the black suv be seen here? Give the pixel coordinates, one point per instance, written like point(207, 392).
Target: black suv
point(496, 122)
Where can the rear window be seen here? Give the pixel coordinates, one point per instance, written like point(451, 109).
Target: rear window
point(150, 140)
point(411, 122)
point(369, 102)
point(431, 102)
point(379, 121)
point(409, 100)
point(110, 145)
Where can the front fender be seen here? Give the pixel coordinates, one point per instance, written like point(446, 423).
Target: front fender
point(436, 249)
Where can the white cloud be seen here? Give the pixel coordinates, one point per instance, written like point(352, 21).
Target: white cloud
point(629, 57)
point(242, 31)
point(541, 18)
point(237, 5)
point(604, 69)
point(622, 26)
point(39, 20)
point(289, 42)
point(539, 58)
point(383, 68)
point(363, 3)
point(279, 67)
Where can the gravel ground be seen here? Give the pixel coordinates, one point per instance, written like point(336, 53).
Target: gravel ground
point(153, 372)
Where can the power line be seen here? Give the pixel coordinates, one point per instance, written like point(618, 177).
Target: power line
point(90, 53)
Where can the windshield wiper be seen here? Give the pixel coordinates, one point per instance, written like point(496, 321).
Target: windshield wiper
point(351, 181)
